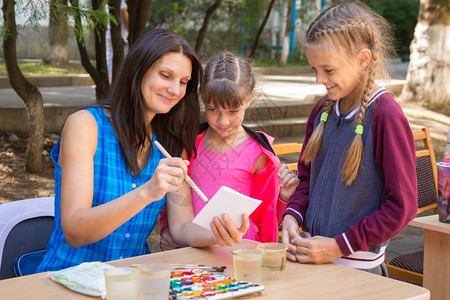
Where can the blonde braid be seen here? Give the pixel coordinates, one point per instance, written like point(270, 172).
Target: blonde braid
point(315, 140)
point(354, 153)
point(349, 27)
point(318, 23)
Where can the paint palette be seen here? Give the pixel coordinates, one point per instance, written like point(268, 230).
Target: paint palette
point(200, 284)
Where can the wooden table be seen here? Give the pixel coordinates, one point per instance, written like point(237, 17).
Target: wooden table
point(436, 260)
point(302, 281)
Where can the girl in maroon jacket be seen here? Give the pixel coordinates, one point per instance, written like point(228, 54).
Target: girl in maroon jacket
point(357, 168)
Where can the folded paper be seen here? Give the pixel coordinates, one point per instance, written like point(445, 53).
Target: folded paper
point(87, 278)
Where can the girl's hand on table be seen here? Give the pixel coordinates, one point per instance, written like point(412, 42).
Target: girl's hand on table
point(316, 249)
point(290, 232)
point(226, 233)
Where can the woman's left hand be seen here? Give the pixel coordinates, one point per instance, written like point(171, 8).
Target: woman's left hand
point(229, 235)
point(316, 249)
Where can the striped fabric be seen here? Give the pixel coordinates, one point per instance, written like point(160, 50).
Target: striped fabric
point(111, 180)
point(363, 259)
point(411, 261)
point(425, 182)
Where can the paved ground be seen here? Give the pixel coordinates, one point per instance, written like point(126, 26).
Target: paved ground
point(279, 89)
point(64, 96)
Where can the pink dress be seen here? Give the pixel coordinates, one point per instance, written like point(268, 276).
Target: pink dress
point(265, 185)
point(233, 168)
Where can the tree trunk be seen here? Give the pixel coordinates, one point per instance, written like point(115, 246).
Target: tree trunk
point(27, 91)
point(100, 57)
point(59, 34)
point(100, 74)
point(285, 46)
point(116, 37)
point(202, 32)
point(261, 28)
point(138, 11)
point(429, 66)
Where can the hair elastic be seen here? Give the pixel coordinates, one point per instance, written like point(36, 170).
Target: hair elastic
point(324, 117)
point(359, 129)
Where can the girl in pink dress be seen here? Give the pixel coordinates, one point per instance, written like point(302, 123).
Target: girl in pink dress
point(230, 154)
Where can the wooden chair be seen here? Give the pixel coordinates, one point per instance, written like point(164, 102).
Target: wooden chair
point(409, 267)
point(283, 149)
point(288, 148)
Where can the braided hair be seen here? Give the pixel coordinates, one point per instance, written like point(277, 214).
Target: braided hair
point(347, 28)
point(228, 81)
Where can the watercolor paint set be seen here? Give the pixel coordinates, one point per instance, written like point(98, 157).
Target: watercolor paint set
point(201, 284)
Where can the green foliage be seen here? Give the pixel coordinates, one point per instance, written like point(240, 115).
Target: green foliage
point(37, 11)
point(402, 15)
point(232, 27)
point(170, 14)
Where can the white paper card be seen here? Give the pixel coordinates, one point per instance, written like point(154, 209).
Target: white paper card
point(226, 201)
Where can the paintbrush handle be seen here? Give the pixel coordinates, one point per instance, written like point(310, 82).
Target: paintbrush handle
point(161, 148)
point(186, 265)
point(187, 178)
point(196, 188)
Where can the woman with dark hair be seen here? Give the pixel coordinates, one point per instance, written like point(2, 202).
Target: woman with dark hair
point(111, 181)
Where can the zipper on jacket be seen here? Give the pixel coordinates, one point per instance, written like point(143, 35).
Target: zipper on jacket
point(339, 122)
point(322, 190)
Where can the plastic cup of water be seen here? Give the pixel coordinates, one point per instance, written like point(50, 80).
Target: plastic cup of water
point(122, 284)
point(247, 264)
point(273, 261)
point(155, 281)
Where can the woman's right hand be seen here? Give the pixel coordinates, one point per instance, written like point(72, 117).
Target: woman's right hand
point(290, 233)
point(168, 177)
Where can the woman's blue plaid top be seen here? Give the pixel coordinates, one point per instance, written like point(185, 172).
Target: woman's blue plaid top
point(111, 180)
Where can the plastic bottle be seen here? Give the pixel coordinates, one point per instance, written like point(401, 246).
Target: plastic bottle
point(447, 150)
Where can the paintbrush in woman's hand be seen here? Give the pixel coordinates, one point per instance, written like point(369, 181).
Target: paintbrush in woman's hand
point(187, 178)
